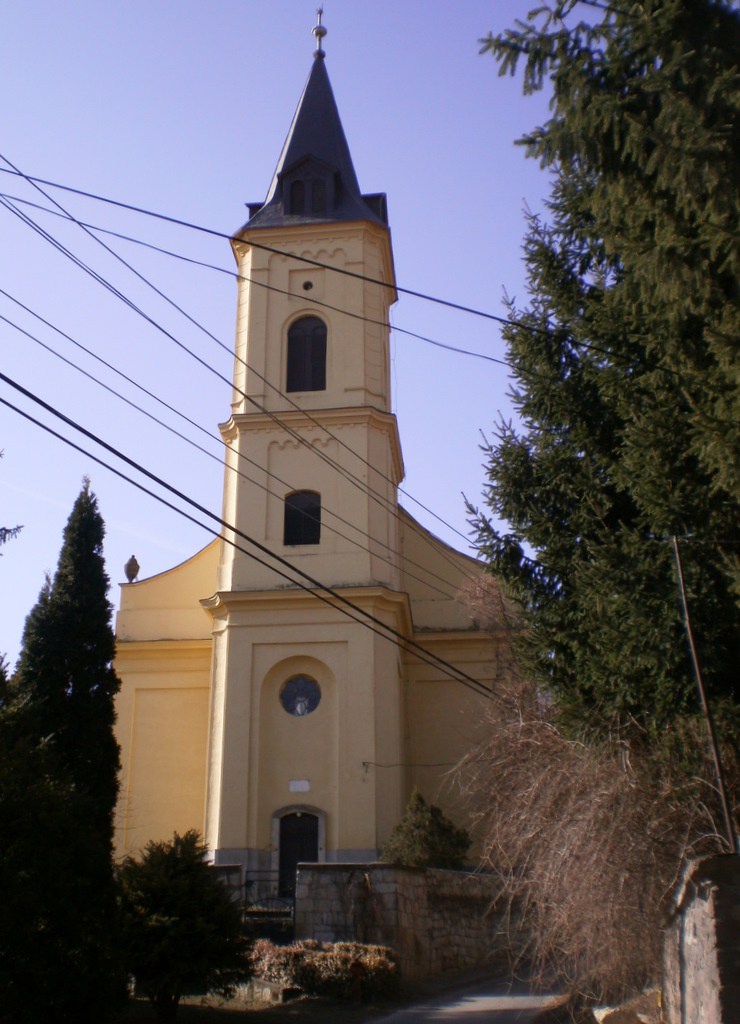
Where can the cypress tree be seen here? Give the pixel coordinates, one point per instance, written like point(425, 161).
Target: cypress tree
point(58, 788)
point(65, 672)
point(627, 377)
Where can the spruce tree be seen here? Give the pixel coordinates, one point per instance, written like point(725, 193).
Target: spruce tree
point(627, 377)
point(58, 788)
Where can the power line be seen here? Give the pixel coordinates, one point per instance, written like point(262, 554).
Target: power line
point(276, 419)
point(325, 593)
point(261, 284)
point(410, 764)
point(369, 491)
point(387, 505)
point(349, 476)
point(228, 349)
point(240, 455)
point(504, 321)
point(365, 487)
point(257, 245)
point(325, 305)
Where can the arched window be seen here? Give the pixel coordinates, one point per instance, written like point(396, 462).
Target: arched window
point(297, 197)
point(302, 518)
point(318, 196)
point(307, 355)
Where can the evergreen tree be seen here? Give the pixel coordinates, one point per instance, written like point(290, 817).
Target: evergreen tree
point(182, 929)
point(626, 367)
point(58, 787)
point(426, 838)
point(65, 673)
point(8, 532)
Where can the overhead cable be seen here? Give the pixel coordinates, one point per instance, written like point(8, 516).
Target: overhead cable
point(323, 592)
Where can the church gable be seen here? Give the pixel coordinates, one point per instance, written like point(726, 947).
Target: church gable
point(167, 606)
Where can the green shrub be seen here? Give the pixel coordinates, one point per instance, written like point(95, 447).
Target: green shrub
point(340, 970)
point(425, 838)
point(182, 930)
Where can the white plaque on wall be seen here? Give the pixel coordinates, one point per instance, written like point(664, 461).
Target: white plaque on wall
point(299, 785)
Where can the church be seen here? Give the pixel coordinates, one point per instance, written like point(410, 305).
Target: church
point(286, 688)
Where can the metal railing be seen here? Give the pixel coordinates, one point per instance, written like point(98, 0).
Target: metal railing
point(267, 914)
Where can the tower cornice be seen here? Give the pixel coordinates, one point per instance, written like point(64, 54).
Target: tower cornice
point(229, 603)
point(318, 419)
point(285, 241)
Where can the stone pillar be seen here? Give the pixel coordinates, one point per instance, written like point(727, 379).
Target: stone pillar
point(701, 970)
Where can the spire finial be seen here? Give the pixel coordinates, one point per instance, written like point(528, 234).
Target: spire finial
point(319, 31)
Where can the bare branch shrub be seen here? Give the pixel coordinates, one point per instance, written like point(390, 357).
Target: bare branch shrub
point(337, 970)
point(588, 842)
point(485, 601)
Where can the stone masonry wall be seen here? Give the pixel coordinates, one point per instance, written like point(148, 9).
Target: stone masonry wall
point(437, 921)
point(702, 949)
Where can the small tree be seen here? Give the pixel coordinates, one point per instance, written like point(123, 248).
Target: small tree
point(425, 838)
point(182, 930)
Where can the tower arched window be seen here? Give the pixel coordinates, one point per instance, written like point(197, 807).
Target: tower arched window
point(307, 355)
point(302, 523)
point(297, 196)
point(318, 195)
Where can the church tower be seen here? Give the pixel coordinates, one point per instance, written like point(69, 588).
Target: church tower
point(285, 689)
point(313, 464)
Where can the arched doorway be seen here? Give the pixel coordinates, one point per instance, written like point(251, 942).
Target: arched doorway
point(299, 841)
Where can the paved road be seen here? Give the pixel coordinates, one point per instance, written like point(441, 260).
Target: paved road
point(490, 1002)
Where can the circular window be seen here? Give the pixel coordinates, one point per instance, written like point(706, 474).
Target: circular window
point(300, 695)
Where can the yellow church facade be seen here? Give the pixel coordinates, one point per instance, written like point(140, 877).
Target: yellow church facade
point(285, 689)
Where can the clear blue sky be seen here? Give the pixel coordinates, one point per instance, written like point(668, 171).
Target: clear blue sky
point(182, 108)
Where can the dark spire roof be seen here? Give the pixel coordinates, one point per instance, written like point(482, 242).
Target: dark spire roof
point(316, 148)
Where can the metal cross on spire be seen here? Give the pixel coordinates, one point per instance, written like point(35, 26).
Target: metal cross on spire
point(319, 32)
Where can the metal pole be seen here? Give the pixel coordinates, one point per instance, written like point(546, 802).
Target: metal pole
point(719, 774)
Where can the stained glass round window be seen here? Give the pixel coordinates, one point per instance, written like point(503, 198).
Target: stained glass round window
point(300, 695)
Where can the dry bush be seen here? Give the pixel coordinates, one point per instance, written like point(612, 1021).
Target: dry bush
point(489, 609)
point(588, 843)
point(338, 970)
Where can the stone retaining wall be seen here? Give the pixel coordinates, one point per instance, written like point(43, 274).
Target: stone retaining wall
point(702, 949)
point(437, 921)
